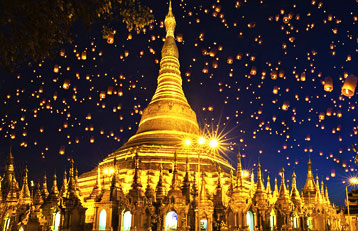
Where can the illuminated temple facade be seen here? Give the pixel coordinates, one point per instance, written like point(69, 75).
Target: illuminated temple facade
point(154, 182)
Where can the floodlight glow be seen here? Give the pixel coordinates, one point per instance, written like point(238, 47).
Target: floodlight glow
point(213, 143)
point(187, 142)
point(353, 180)
point(201, 140)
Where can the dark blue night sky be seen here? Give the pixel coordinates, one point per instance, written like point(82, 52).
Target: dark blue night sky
point(221, 44)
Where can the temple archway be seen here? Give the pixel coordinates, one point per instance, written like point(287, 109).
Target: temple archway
point(56, 221)
point(272, 220)
point(102, 220)
point(126, 221)
point(171, 221)
point(250, 220)
point(6, 223)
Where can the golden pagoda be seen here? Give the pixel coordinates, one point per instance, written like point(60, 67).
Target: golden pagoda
point(156, 183)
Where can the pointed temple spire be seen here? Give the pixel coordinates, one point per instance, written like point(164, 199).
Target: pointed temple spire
point(268, 187)
point(168, 113)
point(260, 185)
point(175, 180)
point(239, 174)
point(64, 188)
point(186, 182)
point(318, 194)
point(149, 192)
point(275, 191)
point(71, 179)
point(295, 194)
point(25, 195)
point(44, 190)
point(136, 178)
point(326, 195)
point(54, 188)
point(283, 190)
point(160, 189)
point(310, 187)
point(38, 200)
point(203, 194)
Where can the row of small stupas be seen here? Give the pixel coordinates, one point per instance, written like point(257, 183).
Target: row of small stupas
point(243, 205)
point(153, 183)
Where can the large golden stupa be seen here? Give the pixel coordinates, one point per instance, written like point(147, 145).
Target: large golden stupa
point(166, 123)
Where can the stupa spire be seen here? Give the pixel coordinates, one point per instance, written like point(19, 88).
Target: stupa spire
point(309, 185)
point(268, 187)
point(260, 185)
point(295, 195)
point(25, 195)
point(170, 21)
point(168, 114)
point(239, 174)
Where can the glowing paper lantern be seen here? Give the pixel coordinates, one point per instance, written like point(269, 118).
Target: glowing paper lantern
point(110, 38)
point(84, 55)
point(66, 84)
point(56, 68)
point(349, 86)
point(275, 90)
point(253, 71)
point(328, 84)
point(285, 105)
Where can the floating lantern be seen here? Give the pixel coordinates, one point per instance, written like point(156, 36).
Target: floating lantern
point(62, 52)
point(349, 86)
point(333, 173)
point(274, 75)
point(303, 76)
point(281, 74)
point(84, 55)
point(253, 71)
point(230, 60)
point(66, 84)
point(102, 94)
point(328, 84)
point(329, 111)
point(56, 68)
point(321, 116)
point(285, 105)
point(62, 150)
point(110, 38)
point(275, 90)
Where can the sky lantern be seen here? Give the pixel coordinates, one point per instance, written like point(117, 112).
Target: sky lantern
point(62, 150)
point(281, 74)
point(321, 116)
point(230, 60)
point(274, 75)
point(303, 76)
point(333, 173)
point(253, 71)
point(110, 38)
point(66, 84)
point(329, 111)
point(328, 84)
point(84, 55)
point(349, 86)
point(285, 105)
point(102, 94)
point(56, 68)
point(62, 52)
point(275, 90)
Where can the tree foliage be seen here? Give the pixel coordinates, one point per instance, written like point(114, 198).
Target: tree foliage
point(34, 29)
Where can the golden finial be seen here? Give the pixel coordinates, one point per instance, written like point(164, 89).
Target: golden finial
point(170, 21)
